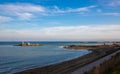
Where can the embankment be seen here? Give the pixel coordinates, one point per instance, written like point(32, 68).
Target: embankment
point(105, 66)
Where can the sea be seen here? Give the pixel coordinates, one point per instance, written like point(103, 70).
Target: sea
point(19, 58)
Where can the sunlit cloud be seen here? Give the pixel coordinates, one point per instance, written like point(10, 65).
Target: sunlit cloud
point(98, 32)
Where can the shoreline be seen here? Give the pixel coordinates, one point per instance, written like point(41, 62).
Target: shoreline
point(71, 65)
point(91, 47)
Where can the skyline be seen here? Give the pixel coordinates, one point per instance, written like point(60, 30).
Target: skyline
point(58, 20)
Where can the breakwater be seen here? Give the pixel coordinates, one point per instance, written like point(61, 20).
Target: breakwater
point(70, 66)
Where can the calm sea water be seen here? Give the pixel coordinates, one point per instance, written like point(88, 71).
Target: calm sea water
point(15, 58)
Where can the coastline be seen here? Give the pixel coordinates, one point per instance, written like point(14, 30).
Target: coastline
point(67, 67)
point(91, 47)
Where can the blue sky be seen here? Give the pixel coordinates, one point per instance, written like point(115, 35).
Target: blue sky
point(66, 20)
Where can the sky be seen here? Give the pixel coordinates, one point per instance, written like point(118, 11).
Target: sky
point(59, 20)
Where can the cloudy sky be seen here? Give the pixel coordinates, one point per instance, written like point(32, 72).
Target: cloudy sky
point(61, 20)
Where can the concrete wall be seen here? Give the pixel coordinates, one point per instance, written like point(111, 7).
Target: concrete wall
point(104, 67)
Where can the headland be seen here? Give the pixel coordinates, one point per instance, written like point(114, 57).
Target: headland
point(91, 47)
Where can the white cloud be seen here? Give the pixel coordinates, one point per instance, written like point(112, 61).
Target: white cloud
point(72, 10)
point(99, 32)
point(83, 9)
point(5, 19)
point(25, 15)
point(22, 7)
point(113, 14)
point(23, 11)
point(27, 11)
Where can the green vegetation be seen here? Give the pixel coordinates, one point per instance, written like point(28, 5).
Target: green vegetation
point(115, 70)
